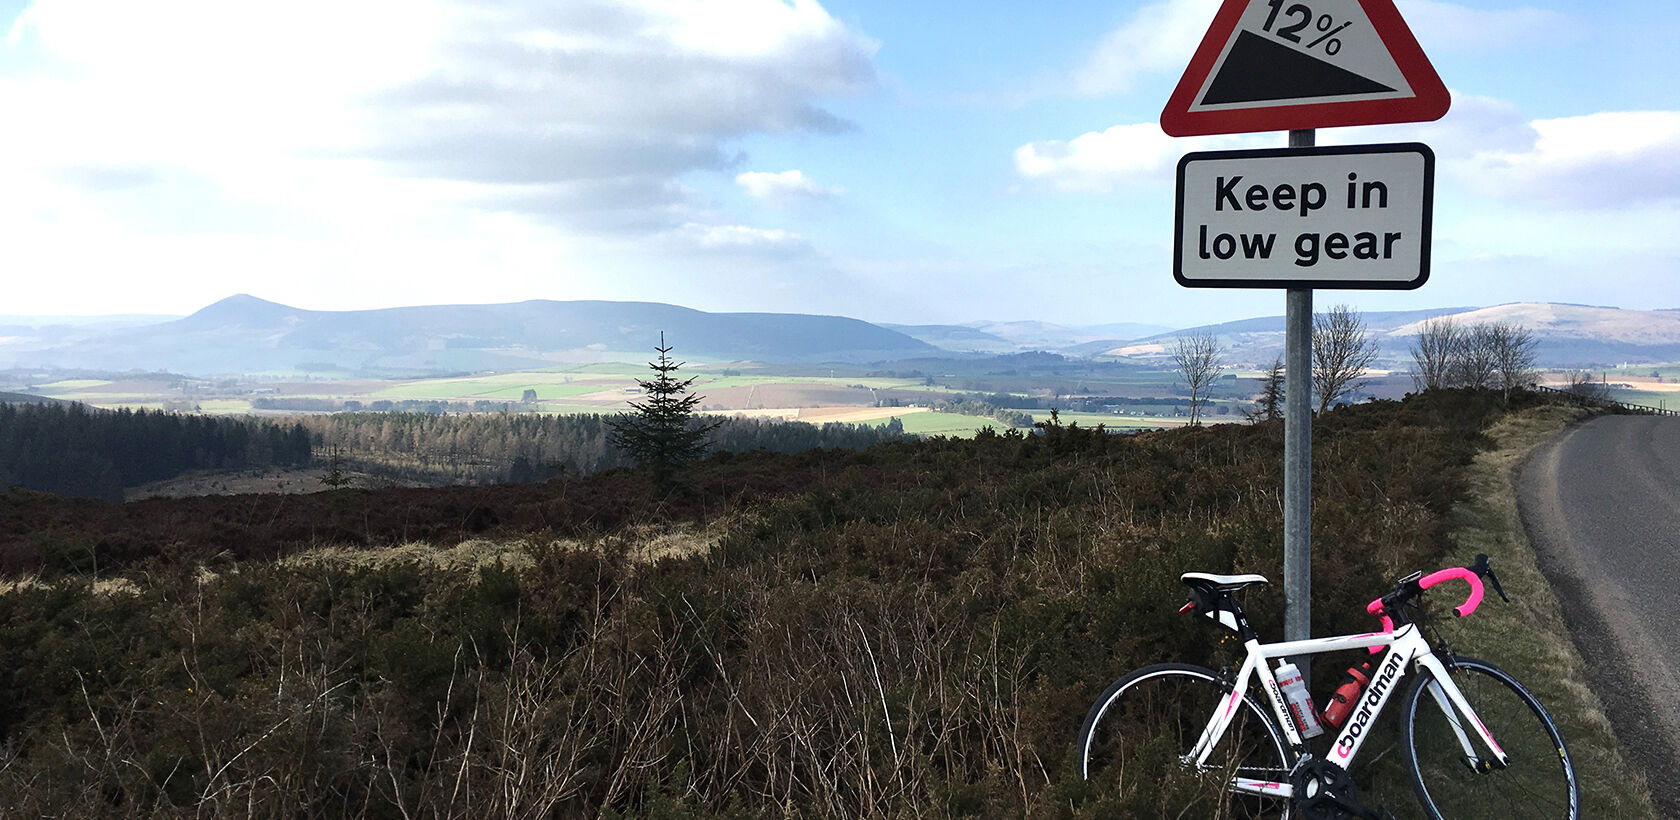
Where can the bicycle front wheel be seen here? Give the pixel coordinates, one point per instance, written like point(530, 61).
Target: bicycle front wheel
point(1137, 733)
point(1454, 773)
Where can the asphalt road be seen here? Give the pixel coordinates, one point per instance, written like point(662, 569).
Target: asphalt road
point(1601, 502)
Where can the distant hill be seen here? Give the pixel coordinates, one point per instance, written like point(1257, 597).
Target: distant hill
point(1565, 335)
point(245, 334)
point(25, 398)
point(1024, 336)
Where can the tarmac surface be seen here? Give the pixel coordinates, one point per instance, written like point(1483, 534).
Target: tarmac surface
point(1601, 503)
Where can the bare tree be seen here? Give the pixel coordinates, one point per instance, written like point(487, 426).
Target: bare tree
point(1476, 363)
point(1580, 383)
point(1342, 351)
point(1435, 353)
point(1513, 356)
point(1197, 358)
point(1268, 405)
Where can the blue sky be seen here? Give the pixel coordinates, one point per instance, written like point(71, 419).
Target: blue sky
point(900, 162)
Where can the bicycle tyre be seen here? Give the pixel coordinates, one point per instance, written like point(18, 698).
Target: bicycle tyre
point(1135, 734)
point(1540, 781)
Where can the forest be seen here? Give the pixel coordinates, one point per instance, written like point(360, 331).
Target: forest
point(483, 448)
point(75, 450)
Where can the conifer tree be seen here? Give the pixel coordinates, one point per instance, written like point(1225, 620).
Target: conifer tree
point(663, 432)
point(1268, 405)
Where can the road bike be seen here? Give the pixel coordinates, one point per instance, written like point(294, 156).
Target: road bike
point(1477, 743)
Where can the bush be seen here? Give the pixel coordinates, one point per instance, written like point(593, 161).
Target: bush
point(912, 630)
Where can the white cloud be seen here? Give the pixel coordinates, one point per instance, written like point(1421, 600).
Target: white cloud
point(1101, 161)
point(1608, 159)
point(1451, 27)
point(784, 186)
point(1612, 159)
point(737, 237)
point(598, 89)
point(1159, 38)
point(500, 136)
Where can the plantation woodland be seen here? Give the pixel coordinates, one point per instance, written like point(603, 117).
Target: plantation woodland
point(72, 450)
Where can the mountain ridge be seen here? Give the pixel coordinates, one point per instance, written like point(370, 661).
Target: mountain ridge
point(1566, 335)
point(245, 334)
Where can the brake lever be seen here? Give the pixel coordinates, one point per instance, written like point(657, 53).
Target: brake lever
point(1484, 568)
point(1494, 579)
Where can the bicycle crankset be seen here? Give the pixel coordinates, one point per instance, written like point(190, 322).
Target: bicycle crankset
point(1325, 791)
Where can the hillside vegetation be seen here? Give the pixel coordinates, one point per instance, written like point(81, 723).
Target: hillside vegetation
point(915, 629)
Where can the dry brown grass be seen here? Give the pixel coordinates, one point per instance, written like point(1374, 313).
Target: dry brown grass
point(1529, 637)
point(641, 543)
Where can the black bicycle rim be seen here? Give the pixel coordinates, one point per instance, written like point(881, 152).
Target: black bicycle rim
point(1538, 782)
point(1135, 735)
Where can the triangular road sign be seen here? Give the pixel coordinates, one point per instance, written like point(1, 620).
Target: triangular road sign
point(1279, 65)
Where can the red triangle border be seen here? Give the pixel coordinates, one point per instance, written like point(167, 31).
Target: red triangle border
point(1430, 101)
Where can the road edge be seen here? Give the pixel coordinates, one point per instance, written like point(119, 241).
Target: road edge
point(1531, 637)
point(1603, 646)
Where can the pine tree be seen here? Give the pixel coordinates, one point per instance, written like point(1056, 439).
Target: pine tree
point(663, 433)
point(1268, 405)
point(335, 476)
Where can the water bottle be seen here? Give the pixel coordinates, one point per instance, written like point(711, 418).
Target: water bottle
point(1300, 703)
point(1341, 704)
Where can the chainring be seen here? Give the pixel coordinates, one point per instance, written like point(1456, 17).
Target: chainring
point(1325, 791)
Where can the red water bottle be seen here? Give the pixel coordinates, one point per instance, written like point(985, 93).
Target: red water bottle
point(1341, 703)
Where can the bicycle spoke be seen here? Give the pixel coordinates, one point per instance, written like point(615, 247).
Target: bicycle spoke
point(1537, 782)
point(1136, 738)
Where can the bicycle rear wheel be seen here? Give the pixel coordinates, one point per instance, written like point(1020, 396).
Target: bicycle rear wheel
point(1138, 731)
point(1540, 780)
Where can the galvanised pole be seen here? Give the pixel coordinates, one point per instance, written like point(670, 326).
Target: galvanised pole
point(1297, 457)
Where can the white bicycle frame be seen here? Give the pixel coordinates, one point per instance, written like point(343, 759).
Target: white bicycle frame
point(1405, 646)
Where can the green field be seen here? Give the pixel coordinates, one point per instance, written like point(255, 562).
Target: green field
point(1111, 421)
point(559, 388)
point(1646, 398)
point(223, 406)
point(704, 381)
point(68, 387)
point(945, 424)
point(507, 386)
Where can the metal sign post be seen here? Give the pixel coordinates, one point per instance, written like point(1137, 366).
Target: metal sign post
point(1297, 456)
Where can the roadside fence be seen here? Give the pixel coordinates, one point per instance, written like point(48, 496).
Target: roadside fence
point(1598, 401)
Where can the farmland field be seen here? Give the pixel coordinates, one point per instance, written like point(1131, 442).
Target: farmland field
point(935, 397)
point(946, 424)
point(507, 387)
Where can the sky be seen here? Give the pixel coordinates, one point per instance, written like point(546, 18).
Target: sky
point(908, 162)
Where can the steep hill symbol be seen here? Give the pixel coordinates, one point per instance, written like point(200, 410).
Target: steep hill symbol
point(1261, 70)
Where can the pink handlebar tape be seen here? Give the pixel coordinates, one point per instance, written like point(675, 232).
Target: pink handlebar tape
point(1470, 603)
point(1427, 581)
point(1433, 578)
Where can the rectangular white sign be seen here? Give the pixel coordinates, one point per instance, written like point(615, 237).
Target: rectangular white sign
point(1354, 217)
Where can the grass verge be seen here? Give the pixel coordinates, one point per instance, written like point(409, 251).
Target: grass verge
point(1528, 637)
